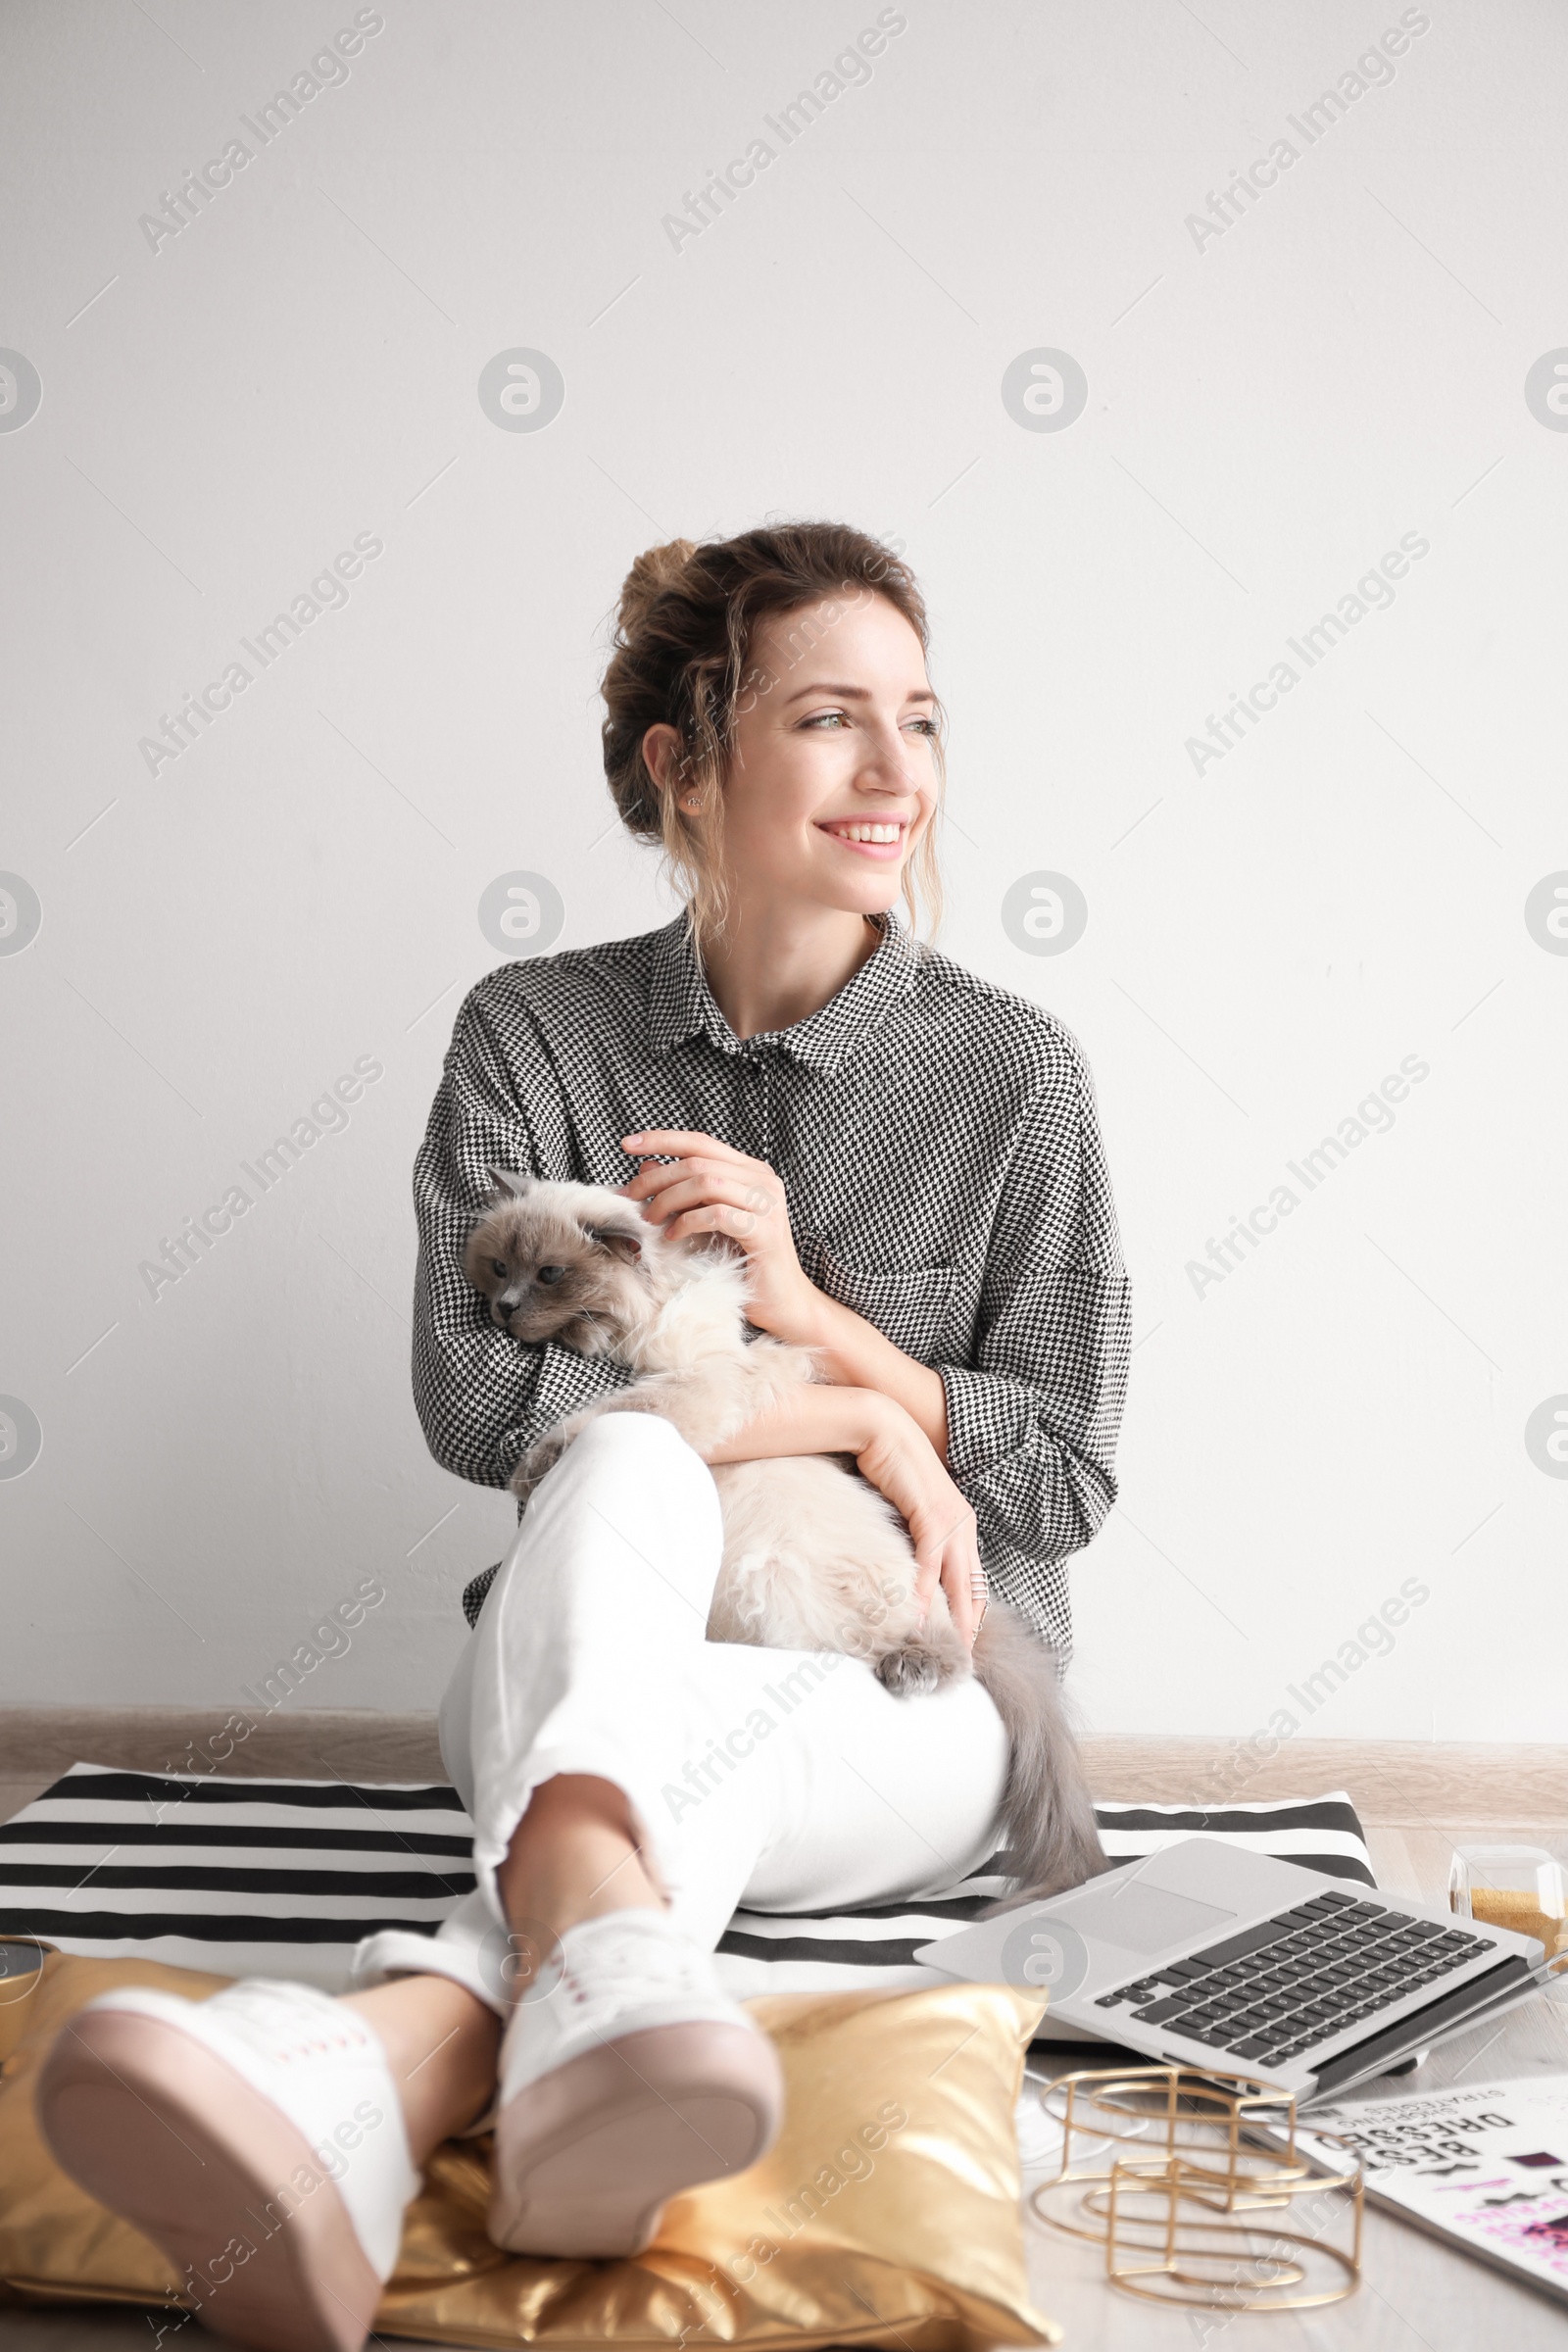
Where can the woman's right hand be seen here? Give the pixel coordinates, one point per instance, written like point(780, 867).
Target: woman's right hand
point(894, 1453)
point(901, 1463)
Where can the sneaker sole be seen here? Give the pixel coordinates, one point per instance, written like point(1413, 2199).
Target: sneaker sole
point(587, 2157)
point(156, 2127)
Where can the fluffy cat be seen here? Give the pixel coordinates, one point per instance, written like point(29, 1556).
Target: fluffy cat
point(814, 1558)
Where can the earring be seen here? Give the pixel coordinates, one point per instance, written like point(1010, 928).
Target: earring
point(691, 800)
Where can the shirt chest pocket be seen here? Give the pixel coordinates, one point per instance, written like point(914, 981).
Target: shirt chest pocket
point(912, 1306)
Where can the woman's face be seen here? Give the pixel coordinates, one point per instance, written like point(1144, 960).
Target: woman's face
point(832, 778)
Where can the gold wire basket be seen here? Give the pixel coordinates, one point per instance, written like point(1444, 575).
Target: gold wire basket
point(1192, 2184)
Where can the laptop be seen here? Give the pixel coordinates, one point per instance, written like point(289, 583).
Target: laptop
point(1205, 1956)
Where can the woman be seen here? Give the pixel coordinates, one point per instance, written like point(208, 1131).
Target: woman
point(910, 1159)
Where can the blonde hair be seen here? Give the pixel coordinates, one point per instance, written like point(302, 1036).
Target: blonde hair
point(684, 630)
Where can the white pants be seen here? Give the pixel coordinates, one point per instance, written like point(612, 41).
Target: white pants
point(784, 1780)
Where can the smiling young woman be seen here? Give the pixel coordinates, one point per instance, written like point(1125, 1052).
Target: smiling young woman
point(908, 1157)
point(793, 829)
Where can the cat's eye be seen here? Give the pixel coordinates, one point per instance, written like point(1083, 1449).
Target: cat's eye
point(499, 1269)
point(549, 1274)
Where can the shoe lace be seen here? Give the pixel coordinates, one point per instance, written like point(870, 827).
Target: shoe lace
point(269, 2017)
point(633, 1965)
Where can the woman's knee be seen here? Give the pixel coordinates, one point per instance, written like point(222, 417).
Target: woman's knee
point(633, 1476)
point(636, 1446)
point(633, 1433)
point(453, 1723)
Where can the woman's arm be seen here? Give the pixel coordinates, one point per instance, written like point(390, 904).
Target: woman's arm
point(711, 1188)
point(1034, 1415)
point(1027, 1428)
point(852, 1352)
point(894, 1452)
point(483, 1398)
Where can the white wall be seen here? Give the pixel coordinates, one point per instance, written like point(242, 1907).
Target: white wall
point(1270, 410)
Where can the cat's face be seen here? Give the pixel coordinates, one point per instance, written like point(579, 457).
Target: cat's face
point(563, 1262)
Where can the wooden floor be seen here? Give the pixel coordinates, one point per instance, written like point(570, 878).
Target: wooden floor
point(1403, 1784)
point(1415, 1800)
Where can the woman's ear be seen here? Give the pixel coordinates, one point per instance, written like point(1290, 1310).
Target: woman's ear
point(661, 748)
point(507, 1185)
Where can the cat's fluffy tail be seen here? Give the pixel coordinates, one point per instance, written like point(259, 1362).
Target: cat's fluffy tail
point(1052, 1840)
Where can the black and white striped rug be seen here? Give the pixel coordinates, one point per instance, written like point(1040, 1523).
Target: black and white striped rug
point(282, 1877)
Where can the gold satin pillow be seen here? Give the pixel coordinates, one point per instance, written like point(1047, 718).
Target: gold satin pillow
point(888, 2212)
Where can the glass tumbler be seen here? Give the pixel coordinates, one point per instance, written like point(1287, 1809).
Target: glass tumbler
point(1516, 1887)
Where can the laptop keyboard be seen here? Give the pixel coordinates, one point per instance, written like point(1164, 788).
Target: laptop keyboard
point(1279, 1988)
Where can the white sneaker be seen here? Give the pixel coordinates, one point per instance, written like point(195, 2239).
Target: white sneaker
point(627, 2076)
point(256, 2138)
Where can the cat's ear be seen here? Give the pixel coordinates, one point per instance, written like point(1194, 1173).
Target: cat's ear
point(617, 1241)
point(507, 1185)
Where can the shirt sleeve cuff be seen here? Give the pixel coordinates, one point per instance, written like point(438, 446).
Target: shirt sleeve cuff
point(989, 1417)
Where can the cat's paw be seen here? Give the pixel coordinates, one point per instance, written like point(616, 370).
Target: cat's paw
point(916, 1666)
point(540, 1459)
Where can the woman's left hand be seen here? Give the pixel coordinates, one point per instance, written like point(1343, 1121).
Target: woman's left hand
point(708, 1187)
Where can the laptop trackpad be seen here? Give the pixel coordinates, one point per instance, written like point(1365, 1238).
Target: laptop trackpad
point(1140, 1918)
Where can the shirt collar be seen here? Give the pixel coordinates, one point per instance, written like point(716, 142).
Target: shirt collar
point(681, 1004)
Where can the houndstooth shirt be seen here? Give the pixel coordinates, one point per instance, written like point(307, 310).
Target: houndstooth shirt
point(938, 1142)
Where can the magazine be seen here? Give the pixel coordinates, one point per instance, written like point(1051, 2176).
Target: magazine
point(1484, 2165)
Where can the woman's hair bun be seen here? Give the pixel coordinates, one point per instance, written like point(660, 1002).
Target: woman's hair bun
point(652, 573)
